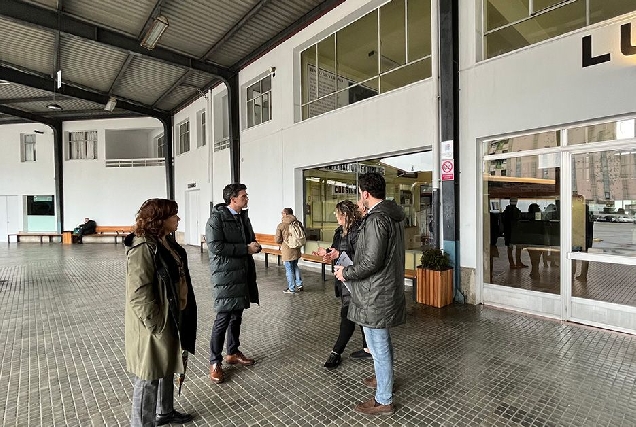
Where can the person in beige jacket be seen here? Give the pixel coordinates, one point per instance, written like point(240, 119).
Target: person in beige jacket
point(290, 256)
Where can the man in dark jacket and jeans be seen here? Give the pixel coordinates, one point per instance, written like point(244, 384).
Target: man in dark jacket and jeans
point(231, 244)
point(376, 281)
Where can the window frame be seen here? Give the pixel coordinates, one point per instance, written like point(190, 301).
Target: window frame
point(531, 15)
point(256, 102)
point(183, 137)
point(82, 152)
point(27, 147)
point(374, 83)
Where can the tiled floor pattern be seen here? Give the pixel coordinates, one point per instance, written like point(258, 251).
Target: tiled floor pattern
point(62, 356)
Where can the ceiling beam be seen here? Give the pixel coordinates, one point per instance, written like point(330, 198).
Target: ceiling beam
point(121, 72)
point(301, 23)
point(253, 11)
point(39, 16)
point(88, 115)
point(176, 84)
point(39, 81)
point(51, 98)
point(26, 115)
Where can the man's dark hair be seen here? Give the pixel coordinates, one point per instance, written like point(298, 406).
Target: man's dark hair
point(374, 183)
point(288, 211)
point(232, 190)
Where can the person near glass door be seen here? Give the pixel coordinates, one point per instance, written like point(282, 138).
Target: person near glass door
point(510, 217)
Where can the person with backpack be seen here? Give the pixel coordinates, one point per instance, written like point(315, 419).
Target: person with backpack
point(290, 235)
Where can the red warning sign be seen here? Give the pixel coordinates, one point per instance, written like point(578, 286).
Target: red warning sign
point(448, 170)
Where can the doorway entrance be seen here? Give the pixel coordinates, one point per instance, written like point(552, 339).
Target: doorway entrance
point(193, 230)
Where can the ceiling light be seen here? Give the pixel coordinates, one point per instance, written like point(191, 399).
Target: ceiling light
point(158, 26)
point(54, 107)
point(110, 105)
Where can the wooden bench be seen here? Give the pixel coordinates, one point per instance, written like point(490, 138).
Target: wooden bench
point(117, 232)
point(269, 247)
point(410, 274)
point(42, 236)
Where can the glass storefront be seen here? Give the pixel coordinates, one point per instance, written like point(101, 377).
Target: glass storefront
point(408, 179)
point(559, 221)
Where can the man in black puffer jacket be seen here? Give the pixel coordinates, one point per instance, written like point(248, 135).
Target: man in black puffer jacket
point(231, 244)
point(376, 281)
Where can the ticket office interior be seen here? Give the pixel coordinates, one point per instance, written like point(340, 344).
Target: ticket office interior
point(408, 182)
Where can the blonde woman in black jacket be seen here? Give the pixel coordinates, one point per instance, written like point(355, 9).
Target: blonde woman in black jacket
point(349, 217)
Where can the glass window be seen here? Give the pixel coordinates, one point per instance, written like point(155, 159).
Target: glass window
point(82, 145)
point(351, 60)
point(406, 75)
point(601, 10)
point(357, 51)
point(408, 179)
point(202, 129)
point(308, 74)
point(184, 137)
point(521, 223)
point(28, 147)
point(160, 146)
point(392, 35)
point(40, 205)
point(615, 130)
point(259, 107)
point(499, 13)
point(549, 139)
point(614, 283)
point(510, 25)
point(418, 20)
point(538, 5)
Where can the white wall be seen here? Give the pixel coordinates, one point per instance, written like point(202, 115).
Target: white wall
point(21, 179)
point(273, 153)
point(130, 144)
point(193, 166)
point(541, 86)
point(110, 196)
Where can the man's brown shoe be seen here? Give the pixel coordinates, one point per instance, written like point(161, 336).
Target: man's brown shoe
point(239, 358)
point(216, 373)
point(371, 407)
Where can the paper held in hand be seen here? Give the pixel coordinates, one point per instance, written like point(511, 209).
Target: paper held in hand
point(344, 261)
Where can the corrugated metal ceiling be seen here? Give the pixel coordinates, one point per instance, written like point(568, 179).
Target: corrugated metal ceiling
point(195, 26)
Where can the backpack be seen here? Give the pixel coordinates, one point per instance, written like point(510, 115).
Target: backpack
point(296, 235)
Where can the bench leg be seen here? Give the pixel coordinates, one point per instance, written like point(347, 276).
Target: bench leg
point(266, 260)
point(278, 259)
point(324, 277)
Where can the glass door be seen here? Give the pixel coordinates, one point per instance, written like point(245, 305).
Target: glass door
point(602, 249)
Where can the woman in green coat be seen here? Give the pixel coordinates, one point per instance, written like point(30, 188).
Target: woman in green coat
point(161, 313)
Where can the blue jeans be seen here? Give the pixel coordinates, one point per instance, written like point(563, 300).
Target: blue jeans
point(293, 275)
point(379, 343)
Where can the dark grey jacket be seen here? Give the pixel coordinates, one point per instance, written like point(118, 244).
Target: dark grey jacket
point(232, 269)
point(376, 278)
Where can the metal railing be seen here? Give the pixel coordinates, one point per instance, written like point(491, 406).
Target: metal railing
point(133, 163)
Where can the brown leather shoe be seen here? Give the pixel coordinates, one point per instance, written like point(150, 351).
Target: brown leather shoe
point(239, 358)
point(216, 373)
point(371, 407)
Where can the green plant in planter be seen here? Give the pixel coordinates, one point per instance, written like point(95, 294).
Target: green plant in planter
point(435, 259)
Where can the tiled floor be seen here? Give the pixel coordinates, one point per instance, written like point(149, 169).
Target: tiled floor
point(62, 356)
